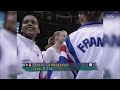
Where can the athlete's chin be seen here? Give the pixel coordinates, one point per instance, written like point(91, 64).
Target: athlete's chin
point(29, 35)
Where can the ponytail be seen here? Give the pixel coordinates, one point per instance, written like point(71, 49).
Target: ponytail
point(50, 42)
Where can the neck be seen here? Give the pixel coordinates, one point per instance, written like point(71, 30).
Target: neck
point(29, 37)
point(57, 45)
point(85, 21)
point(12, 31)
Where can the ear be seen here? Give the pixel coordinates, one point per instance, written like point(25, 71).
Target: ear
point(38, 31)
point(82, 18)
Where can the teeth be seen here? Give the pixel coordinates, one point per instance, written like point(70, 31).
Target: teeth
point(29, 28)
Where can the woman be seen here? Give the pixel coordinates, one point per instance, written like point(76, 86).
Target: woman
point(112, 62)
point(51, 55)
point(28, 51)
point(9, 65)
point(54, 45)
point(84, 46)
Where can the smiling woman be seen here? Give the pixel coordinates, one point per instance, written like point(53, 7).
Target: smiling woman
point(27, 49)
point(30, 27)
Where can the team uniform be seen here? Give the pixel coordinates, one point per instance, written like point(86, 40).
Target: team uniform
point(28, 52)
point(112, 62)
point(50, 56)
point(9, 65)
point(84, 46)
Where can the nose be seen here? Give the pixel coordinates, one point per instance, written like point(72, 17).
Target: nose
point(29, 24)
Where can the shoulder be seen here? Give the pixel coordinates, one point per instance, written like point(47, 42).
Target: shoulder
point(18, 37)
point(50, 49)
point(19, 41)
point(37, 48)
point(86, 30)
point(78, 32)
point(73, 35)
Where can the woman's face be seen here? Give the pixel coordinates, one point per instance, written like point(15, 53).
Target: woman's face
point(30, 26)
point(11, 22)
point(82, 18)
point(61, 37)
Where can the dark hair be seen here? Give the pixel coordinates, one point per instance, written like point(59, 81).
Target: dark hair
point(23, 19)
point(91, 15)
point(33, 16)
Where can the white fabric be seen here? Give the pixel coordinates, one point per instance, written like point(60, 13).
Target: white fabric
point(28, 52)
point(112, 54)
point(9, 65)
point(51, 55)
point(92, 54)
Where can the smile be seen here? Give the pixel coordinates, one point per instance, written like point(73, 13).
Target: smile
point(29, 28)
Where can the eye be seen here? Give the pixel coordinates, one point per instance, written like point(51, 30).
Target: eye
point(26, 22)
point(34, 22)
